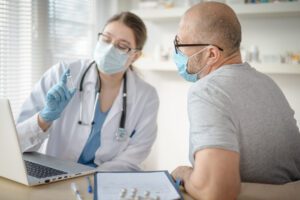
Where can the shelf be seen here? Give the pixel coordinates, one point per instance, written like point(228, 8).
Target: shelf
point(152, 65)
point(159, 14)
point(279, 9)
point(277, 68)
point(263, 9)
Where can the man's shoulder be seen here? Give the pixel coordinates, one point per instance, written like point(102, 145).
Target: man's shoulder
point(210, 86)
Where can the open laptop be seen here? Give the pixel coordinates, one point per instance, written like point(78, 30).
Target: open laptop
point(30, 168)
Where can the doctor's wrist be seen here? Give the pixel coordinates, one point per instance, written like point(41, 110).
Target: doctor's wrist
point(42, 123)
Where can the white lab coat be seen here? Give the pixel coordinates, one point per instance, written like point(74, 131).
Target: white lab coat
point(66, 139)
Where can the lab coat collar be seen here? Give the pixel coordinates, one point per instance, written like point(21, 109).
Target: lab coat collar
point(131, 86)
point(91, 80)
point(131, 92)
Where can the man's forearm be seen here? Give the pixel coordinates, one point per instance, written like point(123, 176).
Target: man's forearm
point(215, 175)
point(196, 191)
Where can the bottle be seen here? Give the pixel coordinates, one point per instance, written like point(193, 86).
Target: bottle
point(254, 53)
point(70, 82)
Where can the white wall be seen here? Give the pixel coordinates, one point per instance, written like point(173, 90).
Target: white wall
point(290, 85)
point(271, 35)
point(171, 146)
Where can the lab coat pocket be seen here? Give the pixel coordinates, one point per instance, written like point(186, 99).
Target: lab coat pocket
point(110, 146)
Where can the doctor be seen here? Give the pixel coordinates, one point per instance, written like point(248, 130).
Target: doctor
point(109, 120)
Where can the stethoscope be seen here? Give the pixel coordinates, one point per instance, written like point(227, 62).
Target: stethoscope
point(121, 133)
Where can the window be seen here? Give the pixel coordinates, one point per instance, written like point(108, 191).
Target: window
point(36, 34)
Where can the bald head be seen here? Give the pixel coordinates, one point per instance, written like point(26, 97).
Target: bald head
point(213, 23)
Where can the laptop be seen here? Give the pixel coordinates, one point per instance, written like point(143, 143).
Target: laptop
point(30, 168)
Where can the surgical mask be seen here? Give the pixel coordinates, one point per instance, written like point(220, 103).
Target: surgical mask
point(181, 62)
point(108, 59)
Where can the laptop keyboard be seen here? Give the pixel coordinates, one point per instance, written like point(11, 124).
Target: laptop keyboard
point(41, 171)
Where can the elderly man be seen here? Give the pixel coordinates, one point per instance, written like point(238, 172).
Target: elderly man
point(241, 125)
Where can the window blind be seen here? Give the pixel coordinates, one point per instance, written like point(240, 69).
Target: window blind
point(36, 34)
point(15, 49)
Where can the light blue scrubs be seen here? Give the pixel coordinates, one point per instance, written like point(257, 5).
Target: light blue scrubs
point(87, 156)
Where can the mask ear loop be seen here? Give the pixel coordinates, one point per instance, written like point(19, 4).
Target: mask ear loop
point(205, 66)
point(132, 60)
point(201, 70)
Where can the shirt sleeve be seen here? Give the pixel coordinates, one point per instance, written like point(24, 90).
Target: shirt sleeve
point(31, 136)
point(212, 121)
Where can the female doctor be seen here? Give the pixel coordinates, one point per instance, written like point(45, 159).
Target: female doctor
point(109, 120)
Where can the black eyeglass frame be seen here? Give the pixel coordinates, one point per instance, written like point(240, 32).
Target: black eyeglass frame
point(129, 49)
point(176, 45)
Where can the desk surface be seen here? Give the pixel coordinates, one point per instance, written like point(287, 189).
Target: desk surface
point(61, 190)
point(10, 190)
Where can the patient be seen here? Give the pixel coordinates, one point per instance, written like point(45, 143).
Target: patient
point(241, 125)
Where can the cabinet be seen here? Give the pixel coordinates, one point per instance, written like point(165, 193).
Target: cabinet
point(282, 17)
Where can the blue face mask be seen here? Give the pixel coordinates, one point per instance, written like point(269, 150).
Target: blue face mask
point(181, 62)
point(108, 59)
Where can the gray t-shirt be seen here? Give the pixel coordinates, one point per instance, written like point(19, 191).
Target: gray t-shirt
point(239, 109)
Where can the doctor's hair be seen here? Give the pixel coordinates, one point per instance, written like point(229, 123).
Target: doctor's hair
point(135, 23)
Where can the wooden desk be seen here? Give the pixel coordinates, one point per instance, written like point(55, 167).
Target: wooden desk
point(61, 190)
point(256, 191)
point(10, 190)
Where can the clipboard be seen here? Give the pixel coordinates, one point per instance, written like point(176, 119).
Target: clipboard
point(114, 174)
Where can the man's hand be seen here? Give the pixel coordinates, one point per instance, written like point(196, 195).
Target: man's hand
point(182, 172)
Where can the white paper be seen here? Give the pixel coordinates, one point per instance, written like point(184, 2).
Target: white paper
point(109, 185)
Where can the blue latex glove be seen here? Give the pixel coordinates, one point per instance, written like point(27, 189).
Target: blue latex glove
point(57, 99)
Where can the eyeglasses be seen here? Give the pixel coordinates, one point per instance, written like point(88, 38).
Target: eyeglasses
point(121, 47)
point(176, 45)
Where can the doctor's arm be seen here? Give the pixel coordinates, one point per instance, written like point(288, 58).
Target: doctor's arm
point(140, 144)
point(214, 176)
point(30, 130)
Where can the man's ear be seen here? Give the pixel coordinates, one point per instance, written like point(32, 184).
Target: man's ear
point(214, 55)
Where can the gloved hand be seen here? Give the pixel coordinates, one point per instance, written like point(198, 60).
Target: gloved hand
point(57, 99)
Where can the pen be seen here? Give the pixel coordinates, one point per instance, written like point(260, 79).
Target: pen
point(76, 191)
point(132, 134)
point(178, 182)
point(90, 189)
